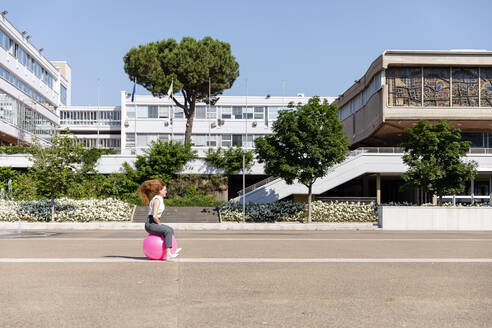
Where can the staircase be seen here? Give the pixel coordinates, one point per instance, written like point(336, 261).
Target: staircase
point(180, 215)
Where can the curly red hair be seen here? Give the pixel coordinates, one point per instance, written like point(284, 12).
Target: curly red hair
point(149, 189)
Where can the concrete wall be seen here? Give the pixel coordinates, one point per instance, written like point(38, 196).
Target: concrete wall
point(435, 218)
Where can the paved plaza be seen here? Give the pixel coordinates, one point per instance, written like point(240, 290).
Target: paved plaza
point(247, 279)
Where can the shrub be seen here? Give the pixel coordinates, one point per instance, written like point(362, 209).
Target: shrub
point(86, 210)
point(340, 212)
point(193, 201)
point(269, 212)
point(288, 211)
point(13, 149)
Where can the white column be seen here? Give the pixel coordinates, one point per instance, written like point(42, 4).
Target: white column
point(378, 188)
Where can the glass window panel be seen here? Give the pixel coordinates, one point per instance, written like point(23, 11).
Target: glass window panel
point(153, 111)
point(273, 113)
point(237, 112)
point(142, 111)
point(237, 140)
point(476, 139)
point(199, 140)
point(200, 112)
point(436, 87)
point(404, 86)
point(163, 111)
point(130, 111)
point(226, 112)
point(212, 140)
point(212, 112)
point(179, 138)
point(226, 140)
point(178, 112)
point(259, 112)
point(465, 87)
point(141, 140)
point(486, 87)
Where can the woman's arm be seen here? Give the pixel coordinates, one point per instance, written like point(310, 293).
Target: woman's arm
point(155, 207)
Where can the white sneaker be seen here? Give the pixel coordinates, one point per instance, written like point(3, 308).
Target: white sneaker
point(177, 251)
point(172, 256)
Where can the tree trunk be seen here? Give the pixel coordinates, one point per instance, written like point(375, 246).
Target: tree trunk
point(52, 207)
point(309, 203)
point(440, 199)
point(189, 127)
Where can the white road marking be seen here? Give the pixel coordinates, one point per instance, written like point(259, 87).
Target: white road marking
point(249, 260)
point(259, 239)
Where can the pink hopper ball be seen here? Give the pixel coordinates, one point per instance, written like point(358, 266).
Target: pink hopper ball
point(154, 247)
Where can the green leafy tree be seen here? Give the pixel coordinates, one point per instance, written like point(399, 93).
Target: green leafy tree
point(57, 166)
point(229, 159)
point(307, 140)
point(433, 154)
point(189, 66)
point(161, 161)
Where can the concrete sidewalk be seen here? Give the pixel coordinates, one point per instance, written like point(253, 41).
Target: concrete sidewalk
point(21, 225)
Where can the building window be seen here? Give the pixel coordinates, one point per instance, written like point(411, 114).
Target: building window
point(248, 113)
point(163, 111)
point(404, 86)
point(130, 140)
point(237, 140)
point(179, 138)
point(259, 113)
point(237, 112)
point(178, 112)
point(465, 87)
point(226, 140)
point(212, 140)
point(226, 113)
point(476, 139)
point(164, 137)
point(63, 94)
point(199, 140)
point(211, 112)
point(486, 87)
point(130, 111)
point(436, 87)
point(144, 139)
point(200, 112)
point(153, 112)
point(273, 113)
point(142, 111)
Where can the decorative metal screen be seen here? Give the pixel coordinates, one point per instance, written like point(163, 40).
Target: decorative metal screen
point(404, 86)
point(436, 87)
point(465, 87)
point(486, 87)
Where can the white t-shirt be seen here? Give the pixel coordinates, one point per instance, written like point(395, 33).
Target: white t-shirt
point(161, 206)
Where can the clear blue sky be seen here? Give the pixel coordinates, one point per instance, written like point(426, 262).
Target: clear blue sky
point(316, 47)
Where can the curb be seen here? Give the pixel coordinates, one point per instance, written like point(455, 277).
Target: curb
point(22, 225)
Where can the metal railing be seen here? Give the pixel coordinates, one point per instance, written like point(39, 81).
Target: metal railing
point(257, 185)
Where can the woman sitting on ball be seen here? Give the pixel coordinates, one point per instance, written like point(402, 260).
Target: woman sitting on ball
point(152, 192)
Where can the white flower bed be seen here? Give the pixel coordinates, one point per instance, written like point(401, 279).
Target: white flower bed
point(85, 210)
point(320, 212)
point(339, 212)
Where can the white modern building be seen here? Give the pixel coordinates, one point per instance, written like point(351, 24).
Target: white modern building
point(233, 120)
point(31, 88)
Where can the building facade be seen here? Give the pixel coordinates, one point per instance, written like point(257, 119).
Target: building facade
point(31, 88)
point(402, 87)
point(131, 127)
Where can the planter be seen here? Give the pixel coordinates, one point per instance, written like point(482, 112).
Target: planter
point(434, 218)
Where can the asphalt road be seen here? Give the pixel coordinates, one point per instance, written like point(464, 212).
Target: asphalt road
point(247, 279)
